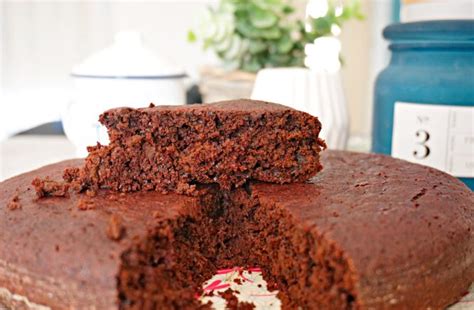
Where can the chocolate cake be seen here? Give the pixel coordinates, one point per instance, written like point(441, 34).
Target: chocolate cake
point(173, 148)
point(367, 232)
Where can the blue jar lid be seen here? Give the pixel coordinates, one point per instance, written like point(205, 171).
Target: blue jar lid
point(438, 34)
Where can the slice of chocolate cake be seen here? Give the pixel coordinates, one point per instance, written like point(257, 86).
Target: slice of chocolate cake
point(368, 232)
point(173, 148)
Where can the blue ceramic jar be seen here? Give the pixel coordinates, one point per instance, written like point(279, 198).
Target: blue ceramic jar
point(424, 99)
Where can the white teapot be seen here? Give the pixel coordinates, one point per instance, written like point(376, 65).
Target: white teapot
point(124, 74)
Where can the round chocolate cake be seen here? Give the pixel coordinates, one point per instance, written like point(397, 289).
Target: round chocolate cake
point(367, 232)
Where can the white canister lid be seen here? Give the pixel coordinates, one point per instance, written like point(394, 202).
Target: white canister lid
point(424, 10)
point(127, 57)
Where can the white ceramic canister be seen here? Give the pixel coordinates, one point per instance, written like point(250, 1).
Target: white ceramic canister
point(124, 74)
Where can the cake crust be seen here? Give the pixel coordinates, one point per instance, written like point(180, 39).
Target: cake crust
point(399, 235)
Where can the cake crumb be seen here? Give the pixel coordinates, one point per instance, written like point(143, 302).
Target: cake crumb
point(115, 229)
point(71, 174)
point(233, 302)
point(49, 188)
point(420, 194)
point(272, 286)
point(14, 203)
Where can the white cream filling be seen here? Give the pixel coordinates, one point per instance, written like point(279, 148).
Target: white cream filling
point(248, 285)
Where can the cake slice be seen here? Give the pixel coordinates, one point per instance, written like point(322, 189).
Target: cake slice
point(173, 148)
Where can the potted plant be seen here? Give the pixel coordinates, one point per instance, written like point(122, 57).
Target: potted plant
point(248, 35)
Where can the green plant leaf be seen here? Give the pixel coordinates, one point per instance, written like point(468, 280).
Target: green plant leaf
point(191, 36)
point(207, 44)
point(225, 29)
point(247, 30)
point(230, 65)
point(223, 45)
point(262, 18)
point(270, 33)
point(252, 34)
point(277, 60)
point(275, 5)
point(287, 9)
point(244, 48)
point(351, 10)
point(234, 49)
point(284, 44)
point(257, 46)
point(209, 30)
point(252, 65)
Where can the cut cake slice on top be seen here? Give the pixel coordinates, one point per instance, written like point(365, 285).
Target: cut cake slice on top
point(173, 148)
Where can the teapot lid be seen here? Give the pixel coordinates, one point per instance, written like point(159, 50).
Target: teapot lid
point(127, 57)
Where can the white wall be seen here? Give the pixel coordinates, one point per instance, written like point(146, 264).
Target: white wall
point(365, 55)
point(43, 39)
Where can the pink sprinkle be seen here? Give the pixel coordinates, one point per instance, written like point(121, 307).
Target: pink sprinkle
point(226, 285)
point(224, 271)
point(255, 269)
point(245, 278)
point(241, 274)
point(216, 285)
point(197, 296)
point(212, 286)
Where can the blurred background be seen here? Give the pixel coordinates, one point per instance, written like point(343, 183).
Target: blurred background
point(52, 60)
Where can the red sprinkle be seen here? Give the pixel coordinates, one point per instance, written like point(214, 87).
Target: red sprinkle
point(222, 286)
point(255, 269)
point(245, 278)
point(225, 271)
point(212, 285)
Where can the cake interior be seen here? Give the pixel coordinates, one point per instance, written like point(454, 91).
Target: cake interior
point(227, 149)
point(166, 269)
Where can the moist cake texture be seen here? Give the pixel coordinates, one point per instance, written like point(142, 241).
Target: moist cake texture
point(173, 148)
point(368, 232)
